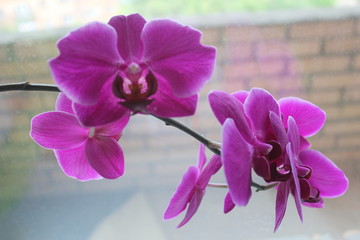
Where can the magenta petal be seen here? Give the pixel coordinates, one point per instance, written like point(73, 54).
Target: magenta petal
point(88, 58)
point(201, 157)
point(297, 196)
point(319, 204)
point(105, 156)
point(113, 129)
point(304, 144)
point(241, 95)
point(211, 168)
point(236, 156)
point(281, 202)
point(309, 117)
point(64, 104)
point(228, 203)
point(183, 193)
point(166, 104)
point(128, 29)
point(193, 207)
point(305, 187)
point(261, 167)
point(57, 130)
point(226, 106)
point(294, 137)
point(105, 111)
point(174, 52)
point(257, 107)
point(303, 171)
point(294, 180)
point(326, 176)
point(279, 130)
point(74, 163)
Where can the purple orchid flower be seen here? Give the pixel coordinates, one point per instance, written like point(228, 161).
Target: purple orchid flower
point(245, 117)
point(313, 177)
point(290, 146)
point(153, 67)
point(83, 153)
point(268, 136)
point(246, 137)
point(192, 188)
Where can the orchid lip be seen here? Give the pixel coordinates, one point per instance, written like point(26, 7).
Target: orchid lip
point(135, 91)
point(275, 152)
point(309, 193)
point(304, 172)
point(279, 173)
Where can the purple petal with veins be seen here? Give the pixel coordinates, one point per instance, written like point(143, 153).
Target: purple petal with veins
point(105, 156)
point(236, 157)
point(309, 117)
point(174, 52)
point(281, 203)
point(183, 193)
point(57, 130)
point(257, 107)
point(75, 164)
point(87, 59)
point(326, 176)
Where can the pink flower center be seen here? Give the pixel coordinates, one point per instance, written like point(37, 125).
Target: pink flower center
point(308, 192)
point(272, 166)
point(135, 84)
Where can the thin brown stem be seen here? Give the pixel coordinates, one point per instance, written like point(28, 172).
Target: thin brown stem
point(213, 146)
point(26, 86)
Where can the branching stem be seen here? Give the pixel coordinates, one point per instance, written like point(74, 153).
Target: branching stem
point(26, 86)
point(213, 146)
point(253, 184)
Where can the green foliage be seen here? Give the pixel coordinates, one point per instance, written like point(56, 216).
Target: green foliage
point(159, 8)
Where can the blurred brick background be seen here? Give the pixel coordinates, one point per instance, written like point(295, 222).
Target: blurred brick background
point(318, 60)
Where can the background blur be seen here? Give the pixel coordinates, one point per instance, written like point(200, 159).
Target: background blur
point(308, 49)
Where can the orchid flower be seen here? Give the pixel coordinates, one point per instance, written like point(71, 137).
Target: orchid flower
point(83, 153)
point(246, 137)
point(155, 67)
point(253, 120)
point(313, 175)
point(290, 146)
point(192, 188)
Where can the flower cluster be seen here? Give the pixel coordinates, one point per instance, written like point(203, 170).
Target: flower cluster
point(267, 136)
point(107, 72)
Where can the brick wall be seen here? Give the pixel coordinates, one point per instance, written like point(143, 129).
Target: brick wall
point(318, 60)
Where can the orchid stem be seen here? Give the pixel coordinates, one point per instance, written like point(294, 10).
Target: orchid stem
point(217, 185)
point(261, 187)
point(26, 86)
point(213, 146)
point(255, 185)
